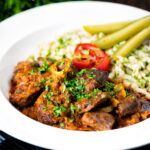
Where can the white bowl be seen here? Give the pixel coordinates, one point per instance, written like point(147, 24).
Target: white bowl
point(19, 37)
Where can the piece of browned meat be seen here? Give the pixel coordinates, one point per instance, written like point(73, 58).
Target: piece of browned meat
point(123, 122)
point(129, 105)
point(25, 94)
point(100, 76)
point(50, 108)
point(26, 83)
point(24, 89)
point(98, 120)
point(30, 112)
point(85, 105)
point(44, 110)
point(145, 108)
point(94, 78)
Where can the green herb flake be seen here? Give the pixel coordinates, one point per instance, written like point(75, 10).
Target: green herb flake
point(35, 65)
point(83, 71)
point(57, 110)
point(79, 58)
point(136, 78)
point(43, 80)
point(71, 120)
point(37, 84)
point(62, 125)
point(103, 96)
point(47, 88)
point(72, 108)
point(78, 107)
point(68, 101)
point(139, 59)
point(142, 84)
point(90, 102)
point(148, 75)
point(85, 52)
point(45, 67)
point(146, 63)
point(45, 96)
point(32, 72)
point(18, 92)
point(48, 54)
point(45, 108)
point(61, 63)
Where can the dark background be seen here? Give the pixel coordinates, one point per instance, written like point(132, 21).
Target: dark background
point(11, 7)
point(144, 4)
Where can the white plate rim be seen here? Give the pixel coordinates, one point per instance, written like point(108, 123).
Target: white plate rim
point(76, 135)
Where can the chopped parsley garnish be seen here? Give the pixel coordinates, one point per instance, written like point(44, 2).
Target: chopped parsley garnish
point(45, 108)
point(146, 63)
point(47, 88)
point(78, 107)
point(48, 54)
point(45, 96)
point(109, 87)
point(75, 87)
point(32, 72)
point(48, 95)
point(142, 84)
point(139, 59)
point(43, 80)
point(51, 80)
point(136, 78)
point(128, 92)
point(103, 96)
point(61, 63)
point(63, 43)
point(90, 102)
point(62, 125)
point(114, 61)
point(148, 75)
point(71, 120)
point(72, 108)
point(83, 71)
point(57, 110)
point(79, 57)
point(35, 64)
point(85, 52)
point(44, 68)
point(18, 92)
point(91, 75)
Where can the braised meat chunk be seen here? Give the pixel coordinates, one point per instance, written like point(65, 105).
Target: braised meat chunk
point(25, 94)
point(94, 78)
point(145, 108)
point(44, 108)
point(130, 120)
point(30, 112)
point(128, 106)
point(98, 120)
point(23, 84)
point(97, 98)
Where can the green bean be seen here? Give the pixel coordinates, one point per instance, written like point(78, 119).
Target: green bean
point(133, 43)
point(106, 28)
point(108, 41)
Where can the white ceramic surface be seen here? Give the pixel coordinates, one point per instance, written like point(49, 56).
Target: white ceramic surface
point(19, 37)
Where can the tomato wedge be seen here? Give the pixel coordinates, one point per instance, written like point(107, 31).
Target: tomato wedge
point(88, 55)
